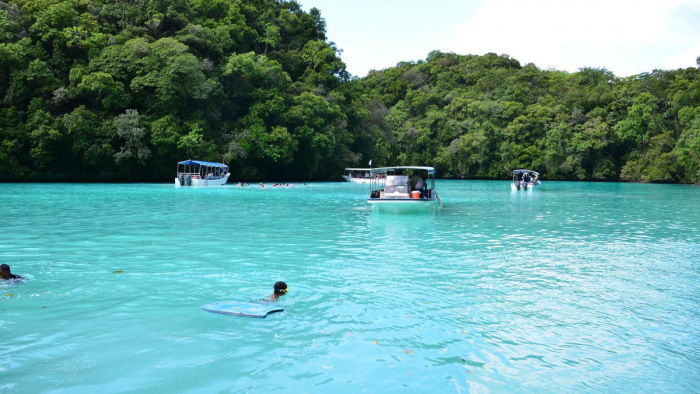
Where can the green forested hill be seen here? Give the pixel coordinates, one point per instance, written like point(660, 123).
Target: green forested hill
point(480, 116)
point(123, 89)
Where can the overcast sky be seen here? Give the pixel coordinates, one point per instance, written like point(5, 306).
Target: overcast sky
point(625, 36)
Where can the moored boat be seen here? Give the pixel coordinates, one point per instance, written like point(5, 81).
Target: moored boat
point(357, 175)
point(201, 173)
point(525, 180)
point(403, 189)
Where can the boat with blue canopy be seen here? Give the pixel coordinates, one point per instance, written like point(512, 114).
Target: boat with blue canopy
point(403, 189)
point(201, 173)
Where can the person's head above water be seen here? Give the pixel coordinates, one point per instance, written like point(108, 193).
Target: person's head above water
point(6, 274)
point(280, 289)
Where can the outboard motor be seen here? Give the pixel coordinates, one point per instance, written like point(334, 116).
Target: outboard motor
point(188, 181)
point(181, 178)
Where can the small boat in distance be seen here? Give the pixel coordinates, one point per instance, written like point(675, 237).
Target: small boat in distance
point(403, 189)
point(201, 173)
point(525, 180)
point(357, 175)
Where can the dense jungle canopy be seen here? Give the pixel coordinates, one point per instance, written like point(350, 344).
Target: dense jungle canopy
point(120, 90)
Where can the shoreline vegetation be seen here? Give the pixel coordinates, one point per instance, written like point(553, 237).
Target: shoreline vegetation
point(291, 183)
point(120, 91)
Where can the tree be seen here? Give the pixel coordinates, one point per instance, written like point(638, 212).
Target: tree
point(272, 36)
point(102, 91)
point(129, 129)
point(89, 142)
point(641, 122)
point(687, 147)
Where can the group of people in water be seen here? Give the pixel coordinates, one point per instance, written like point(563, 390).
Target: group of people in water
point(262, 185)
point(278, 290)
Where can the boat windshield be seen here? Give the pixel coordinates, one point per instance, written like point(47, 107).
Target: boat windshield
point(397, 180)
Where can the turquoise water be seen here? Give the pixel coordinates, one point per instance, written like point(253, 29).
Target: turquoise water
point(572, 287)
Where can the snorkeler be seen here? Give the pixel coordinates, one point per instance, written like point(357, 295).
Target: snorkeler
point(5, 273)
point(280, 290)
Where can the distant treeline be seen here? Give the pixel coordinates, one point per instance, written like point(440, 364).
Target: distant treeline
point(120, 90)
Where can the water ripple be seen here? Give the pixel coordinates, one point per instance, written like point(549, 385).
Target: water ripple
point(573, 287)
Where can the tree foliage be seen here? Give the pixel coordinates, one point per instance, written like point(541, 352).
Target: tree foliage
point(483, 116)
point(123, 89)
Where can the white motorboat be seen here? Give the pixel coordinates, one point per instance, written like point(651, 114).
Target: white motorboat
point(357, 175)
point(201, 173)
point(403, 189)
point(525, 180)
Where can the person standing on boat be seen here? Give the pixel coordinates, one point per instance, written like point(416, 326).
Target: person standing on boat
point(420, 186)
point(280, 289)
point(5, 273)
point(414, 180)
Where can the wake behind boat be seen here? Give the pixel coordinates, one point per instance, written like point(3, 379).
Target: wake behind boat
point(403, 189)
point(201, 173)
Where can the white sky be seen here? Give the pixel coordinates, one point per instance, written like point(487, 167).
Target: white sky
point(625, 36)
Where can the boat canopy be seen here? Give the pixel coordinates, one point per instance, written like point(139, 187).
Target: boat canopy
point(383, 170)
point(202, 163)
point(357, 169)
point(524, 171)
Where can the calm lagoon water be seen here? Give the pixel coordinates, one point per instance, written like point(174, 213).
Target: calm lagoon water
point(573, 287)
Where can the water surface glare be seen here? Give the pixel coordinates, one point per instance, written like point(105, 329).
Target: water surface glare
point(572, 287)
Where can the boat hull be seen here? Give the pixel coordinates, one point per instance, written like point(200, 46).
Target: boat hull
point(356, 180)
point(199, 182)
point(401, 205)
point(523, 186)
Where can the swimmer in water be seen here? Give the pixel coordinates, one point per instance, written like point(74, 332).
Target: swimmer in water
point(5, 273)
point(280, 290)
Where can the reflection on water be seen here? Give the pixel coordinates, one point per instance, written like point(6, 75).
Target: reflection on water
point(573, 286)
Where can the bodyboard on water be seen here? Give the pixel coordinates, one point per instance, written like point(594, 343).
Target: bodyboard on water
point(244, 309)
